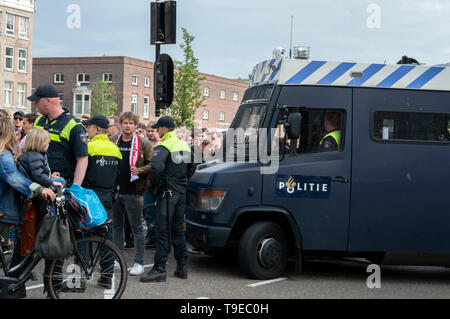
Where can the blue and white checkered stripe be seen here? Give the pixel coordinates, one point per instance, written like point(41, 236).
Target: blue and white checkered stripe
point(335, 73)
point(266, 72)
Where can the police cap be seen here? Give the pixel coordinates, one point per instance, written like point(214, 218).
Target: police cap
point(165, 121)
point(43, 91)
point(99, 120)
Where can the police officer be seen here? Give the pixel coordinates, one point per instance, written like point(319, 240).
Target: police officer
point(68, 151)
point(332, 140)
point(104, 160)
point(171, 167)
point(101, 175)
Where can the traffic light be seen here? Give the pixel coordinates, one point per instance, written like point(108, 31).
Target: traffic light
point(163, 22)
point(163, 75)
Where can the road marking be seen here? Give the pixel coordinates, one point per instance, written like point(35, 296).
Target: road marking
point(34, 287)
point(109, 293)
point(256, 284)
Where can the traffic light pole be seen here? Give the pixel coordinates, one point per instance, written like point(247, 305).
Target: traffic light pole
point(157, 54)
point(163, 31)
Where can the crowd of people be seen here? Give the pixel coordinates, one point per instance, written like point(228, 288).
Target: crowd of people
point(128, 164)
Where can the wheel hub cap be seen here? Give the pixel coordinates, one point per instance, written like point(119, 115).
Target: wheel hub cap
point(269, 252)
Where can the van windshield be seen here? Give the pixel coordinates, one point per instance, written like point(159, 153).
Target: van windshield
point(253, 107)
point(249, 116)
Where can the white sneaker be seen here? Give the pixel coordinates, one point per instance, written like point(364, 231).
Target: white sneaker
point(116, 265)
point(137, 270)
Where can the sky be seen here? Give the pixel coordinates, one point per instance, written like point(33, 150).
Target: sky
point(232, 36)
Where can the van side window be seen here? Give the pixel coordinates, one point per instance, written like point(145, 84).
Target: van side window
point(411, 126)
point(321, 131)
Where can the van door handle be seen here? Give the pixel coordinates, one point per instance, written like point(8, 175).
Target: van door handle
point(340, 179)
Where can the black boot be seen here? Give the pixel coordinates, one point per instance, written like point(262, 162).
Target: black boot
point(157, 274)
point(181, 271)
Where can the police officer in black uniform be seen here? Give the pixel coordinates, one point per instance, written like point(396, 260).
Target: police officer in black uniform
point(104, 160)
point(68, 152)
point(171, 167)
point(101, 177)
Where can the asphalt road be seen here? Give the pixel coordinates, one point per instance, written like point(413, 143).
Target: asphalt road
point(211, 278)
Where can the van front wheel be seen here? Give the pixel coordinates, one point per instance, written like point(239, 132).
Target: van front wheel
point(263, 251)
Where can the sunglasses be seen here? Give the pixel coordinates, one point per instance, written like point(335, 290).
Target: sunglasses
point(18, 118)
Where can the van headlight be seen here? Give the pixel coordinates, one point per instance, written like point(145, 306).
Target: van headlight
point(210, 200)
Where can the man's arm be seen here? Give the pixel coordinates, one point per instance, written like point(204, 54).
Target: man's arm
point(158, 163)
point(80, 169)
point(148, 154)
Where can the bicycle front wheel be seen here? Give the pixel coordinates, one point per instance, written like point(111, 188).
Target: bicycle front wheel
point(96, 271)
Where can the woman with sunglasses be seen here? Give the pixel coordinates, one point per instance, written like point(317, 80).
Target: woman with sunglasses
point(18, 124)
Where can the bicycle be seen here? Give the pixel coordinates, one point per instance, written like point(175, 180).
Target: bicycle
point(98, 270)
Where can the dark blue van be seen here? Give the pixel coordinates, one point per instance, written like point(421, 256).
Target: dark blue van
point(373, 184)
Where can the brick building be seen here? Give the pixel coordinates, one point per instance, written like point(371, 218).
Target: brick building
point(133, 81)
point(16, 44)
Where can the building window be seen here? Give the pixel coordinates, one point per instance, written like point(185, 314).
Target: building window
point(23, 27)
point(9, 86)
point(21, 92)
point(61, 98)
point(107, 77)
point(9, 58)
point(235, 96)
point(58, 78)
point(223, 95)
point(222, 117)
point(134, 79)
point(83, 78)
point(134, 103)
point(82, 104)
point(206, 91)
point(146, 107)
point(411, 127)
point(9, 24)
point(205, 115)
point(147, 82)
point(22, 60)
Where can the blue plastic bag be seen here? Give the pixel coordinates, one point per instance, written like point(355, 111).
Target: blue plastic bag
point(96, 213)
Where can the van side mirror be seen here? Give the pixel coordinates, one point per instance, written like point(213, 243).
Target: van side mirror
point(293, 124)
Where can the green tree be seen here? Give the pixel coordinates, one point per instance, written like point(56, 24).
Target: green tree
point(103, 99)
point(187, 97)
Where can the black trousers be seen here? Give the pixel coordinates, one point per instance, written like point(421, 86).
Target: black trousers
point(170, 210)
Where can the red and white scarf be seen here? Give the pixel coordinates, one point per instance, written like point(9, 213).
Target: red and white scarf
point(134, 153)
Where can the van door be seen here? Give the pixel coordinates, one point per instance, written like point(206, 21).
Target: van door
point(313, 181)
point(401, 156)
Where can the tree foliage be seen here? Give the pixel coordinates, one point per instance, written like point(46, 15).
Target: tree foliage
point(188, 96)
point(103, 99)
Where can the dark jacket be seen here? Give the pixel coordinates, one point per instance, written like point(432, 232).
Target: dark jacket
point(36, 166)
point(172, 162)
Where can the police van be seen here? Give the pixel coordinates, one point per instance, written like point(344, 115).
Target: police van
point(381, 193)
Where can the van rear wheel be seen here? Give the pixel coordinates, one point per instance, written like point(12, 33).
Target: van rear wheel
point(263, 252)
